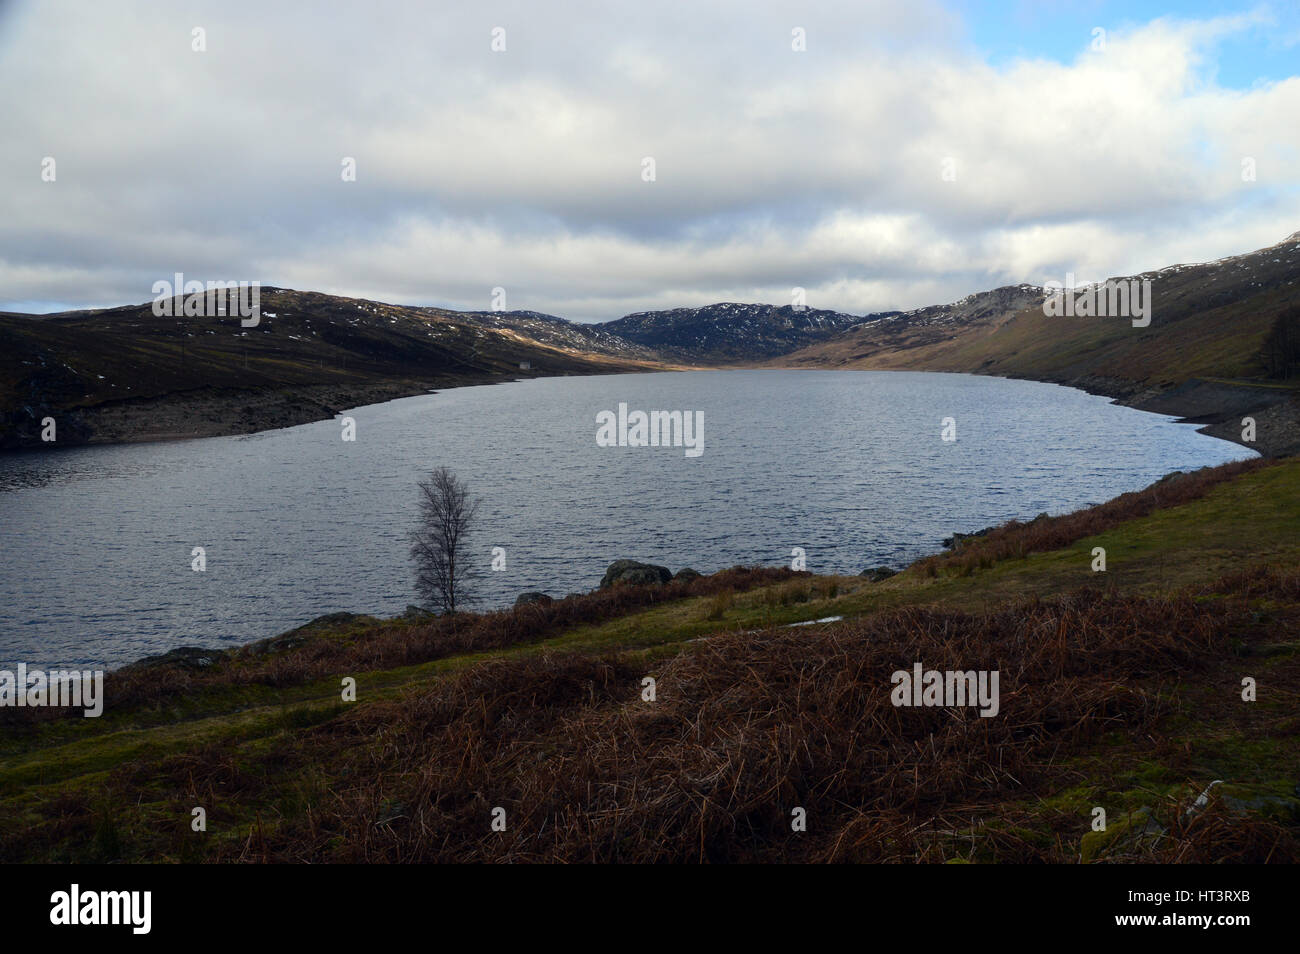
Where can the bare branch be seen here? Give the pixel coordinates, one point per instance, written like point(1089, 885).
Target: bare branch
point(443, 572)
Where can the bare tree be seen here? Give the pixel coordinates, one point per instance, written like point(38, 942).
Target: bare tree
point(442, 568)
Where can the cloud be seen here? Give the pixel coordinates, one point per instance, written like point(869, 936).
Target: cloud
point(522, 169)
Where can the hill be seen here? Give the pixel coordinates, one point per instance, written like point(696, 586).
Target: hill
point(125, 374)
point(1203, 355)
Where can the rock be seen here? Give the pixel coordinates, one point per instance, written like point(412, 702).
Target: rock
point(278, 644)
point(955, 541)
point(1276, 807)
point(634, 573)
point(298, 637)
point(329, 619)
point(184, 657)
point(417, 612)
point(1253, 799)
point(686, 574)
point(533, 596)
point(1123, 835)
point(878, 573)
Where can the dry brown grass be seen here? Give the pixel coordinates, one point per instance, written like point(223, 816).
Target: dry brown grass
point(745, 727)
point(397, 643)
point(748, 727)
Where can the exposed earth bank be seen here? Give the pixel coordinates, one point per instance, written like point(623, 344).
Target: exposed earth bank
point(1217, 406)
point(220, 412)
point(1220, 407)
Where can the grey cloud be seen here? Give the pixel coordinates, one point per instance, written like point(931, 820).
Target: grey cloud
point(522, 169)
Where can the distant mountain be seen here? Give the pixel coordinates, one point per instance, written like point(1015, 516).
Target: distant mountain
point(980, 306)
point(555, 332)
point(729, 332)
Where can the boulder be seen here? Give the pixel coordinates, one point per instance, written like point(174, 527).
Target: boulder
point(329, 619)
point(300, 636)
point(633, 572)
point(877, 573)
point(1279, 808)
point(1257, 800)
point(686, 574)
point(184, 657)
point(955, 541)
point(533, 596)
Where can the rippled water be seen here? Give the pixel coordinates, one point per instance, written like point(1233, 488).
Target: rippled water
point(95, 566)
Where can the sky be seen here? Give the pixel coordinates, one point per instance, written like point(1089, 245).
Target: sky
point(910, 153)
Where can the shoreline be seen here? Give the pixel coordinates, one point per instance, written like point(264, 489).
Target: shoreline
point(231, 412)
point(1217, 406)
point(200, 657)
point(1188, 402)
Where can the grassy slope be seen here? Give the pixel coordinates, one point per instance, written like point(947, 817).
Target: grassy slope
point(1207, 327)
point(1215, 343)
point(121, 786)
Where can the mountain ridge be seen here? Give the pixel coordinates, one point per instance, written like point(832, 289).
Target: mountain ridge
point(730, 332)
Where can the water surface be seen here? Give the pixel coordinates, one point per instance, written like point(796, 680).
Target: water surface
point(849, 465)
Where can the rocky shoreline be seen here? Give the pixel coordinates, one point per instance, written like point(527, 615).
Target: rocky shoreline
point(224, 412)
point(210, 412)
point(1219, 409)
point(1218, 406)
point(618, 573)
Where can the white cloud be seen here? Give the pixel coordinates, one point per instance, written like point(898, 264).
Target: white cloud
point(476, 169)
